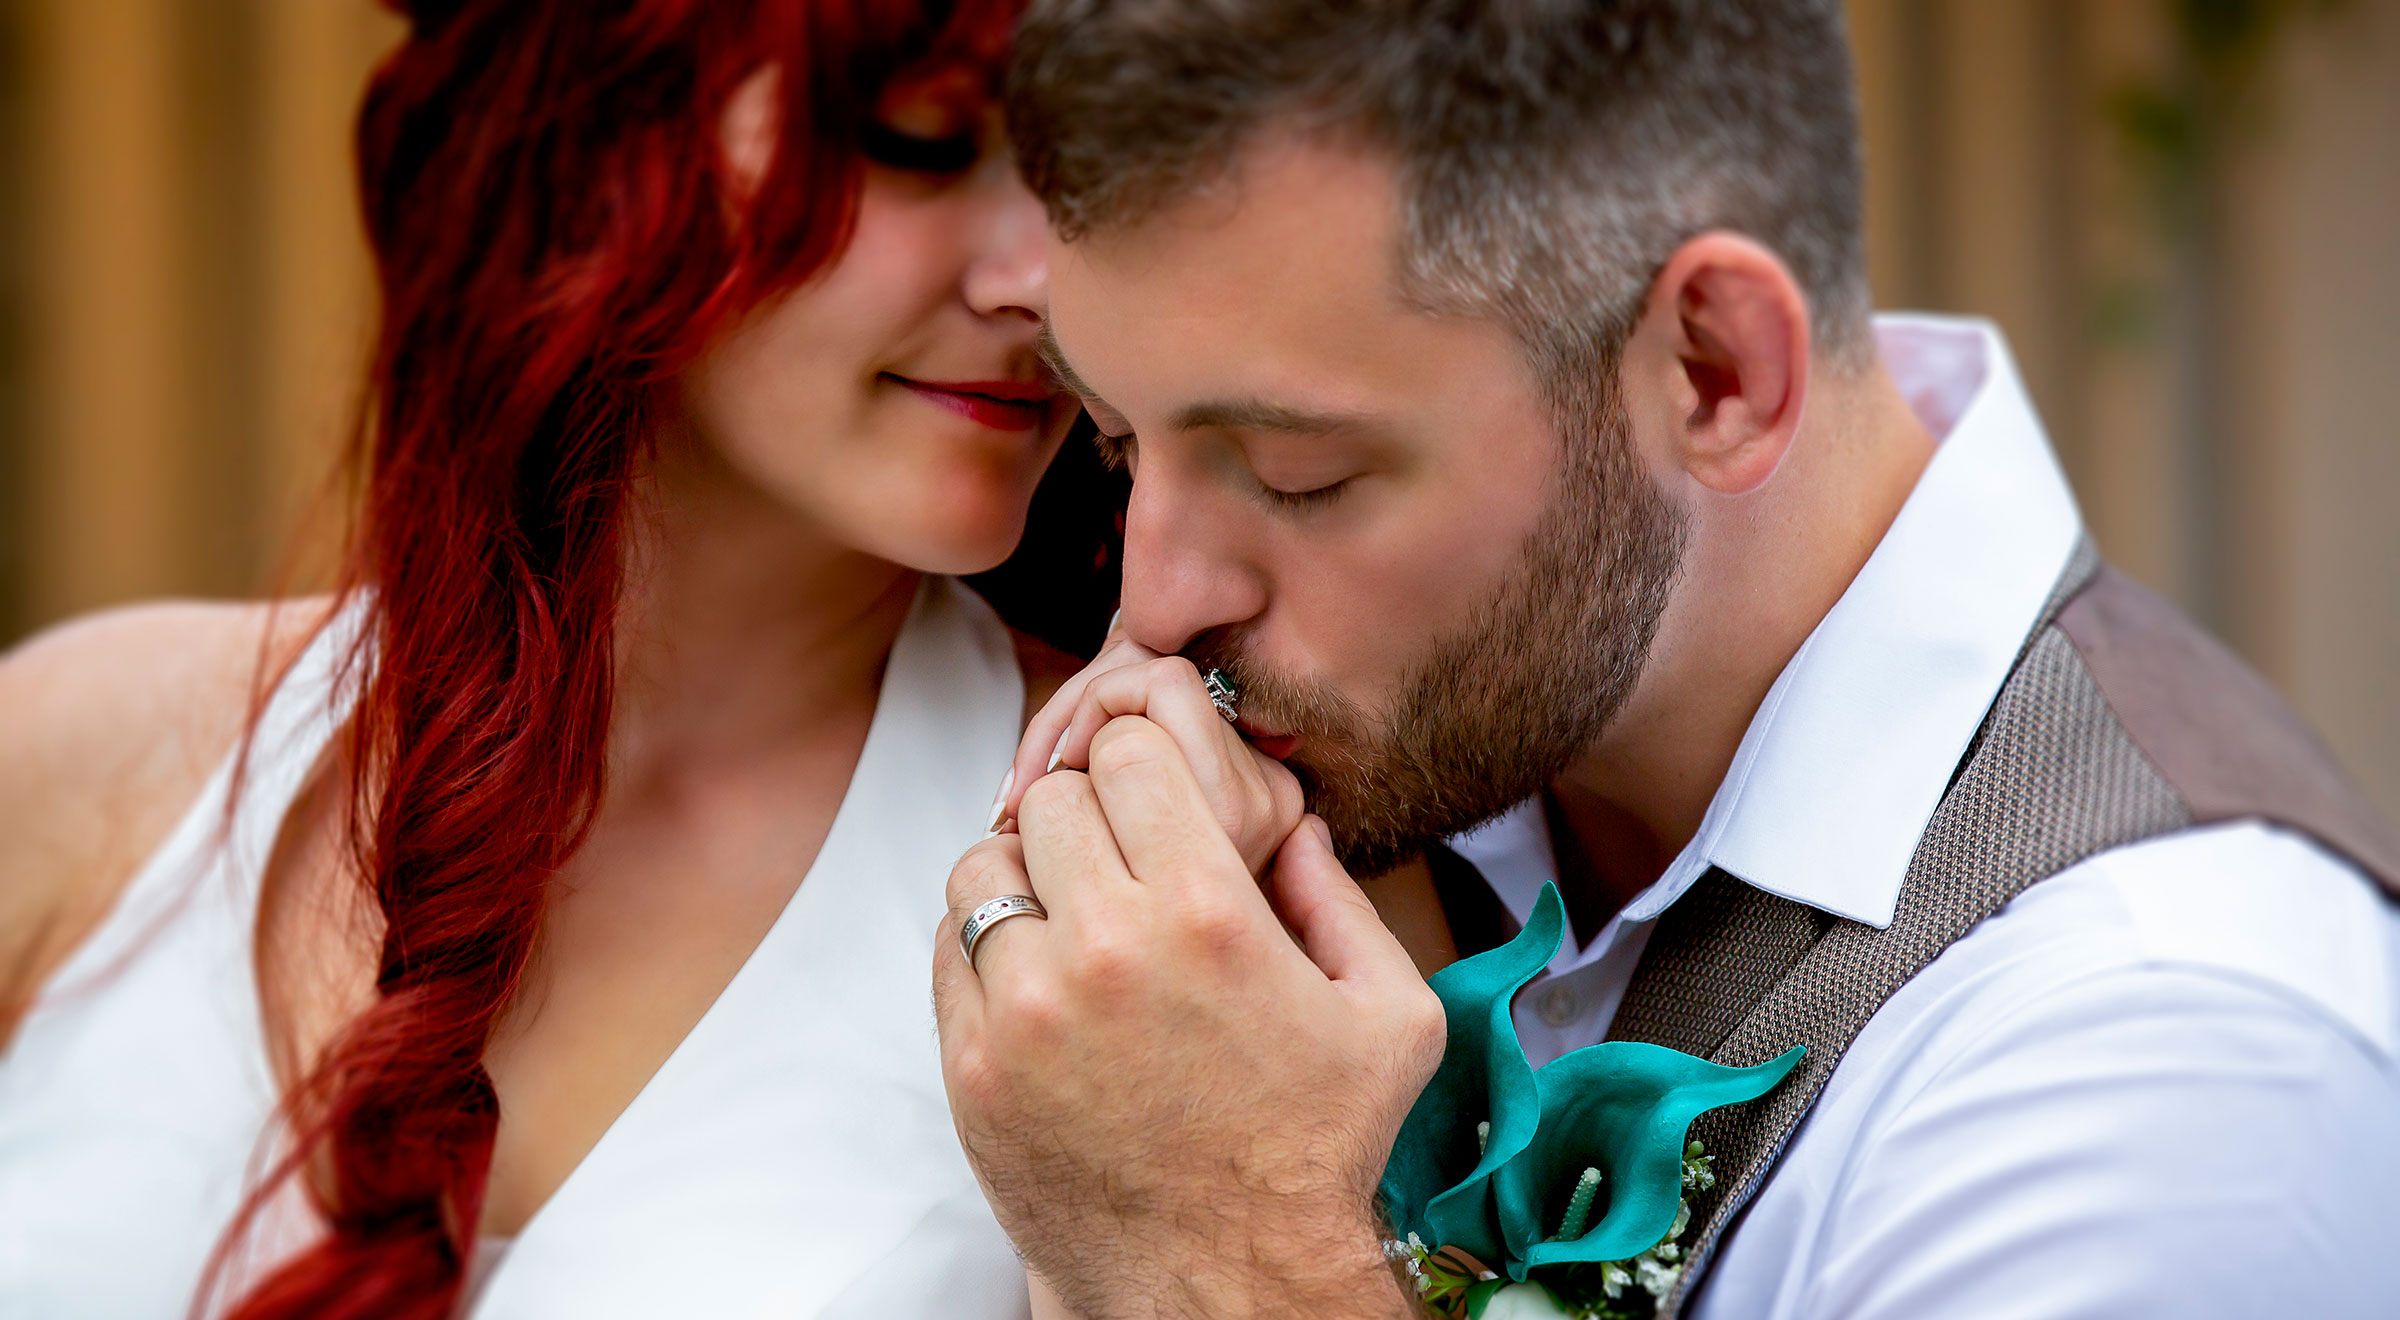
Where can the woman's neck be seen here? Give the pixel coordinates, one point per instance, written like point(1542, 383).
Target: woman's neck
point(743, 626)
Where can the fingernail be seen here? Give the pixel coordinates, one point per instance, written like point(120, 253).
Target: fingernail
point(1000, 802)
point(1324, 834)
point(1057, 753)
point(1113, 621)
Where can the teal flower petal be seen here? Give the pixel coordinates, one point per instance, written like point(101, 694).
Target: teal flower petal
point(1437, 1185)
point(1624, 1108)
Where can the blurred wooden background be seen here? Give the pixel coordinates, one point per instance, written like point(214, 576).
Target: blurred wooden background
point(2182, 212)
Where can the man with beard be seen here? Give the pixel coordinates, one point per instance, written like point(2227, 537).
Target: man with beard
point(1516, 465)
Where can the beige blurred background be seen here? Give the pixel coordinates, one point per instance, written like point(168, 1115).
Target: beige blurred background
point(2185, 213)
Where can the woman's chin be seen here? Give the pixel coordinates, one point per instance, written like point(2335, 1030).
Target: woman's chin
point(964, 545)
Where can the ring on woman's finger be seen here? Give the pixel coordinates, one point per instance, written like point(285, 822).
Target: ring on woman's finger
point(1222, 694)
point(979, 923)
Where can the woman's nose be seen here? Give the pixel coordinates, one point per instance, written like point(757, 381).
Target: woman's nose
point(1010, 276)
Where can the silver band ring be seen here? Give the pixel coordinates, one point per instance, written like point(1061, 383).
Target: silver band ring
point(1222, 694)
point(979, 923)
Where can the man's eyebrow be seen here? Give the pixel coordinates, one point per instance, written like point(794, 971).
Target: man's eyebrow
point(1045, 345)
point(1261, 415)
point(1226, 414)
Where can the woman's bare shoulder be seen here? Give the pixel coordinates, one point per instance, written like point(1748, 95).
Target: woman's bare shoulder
point(1045, 667)
point(110, 725)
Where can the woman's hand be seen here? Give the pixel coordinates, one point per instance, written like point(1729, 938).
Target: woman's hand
point(1253, 796)
point(1045, 740)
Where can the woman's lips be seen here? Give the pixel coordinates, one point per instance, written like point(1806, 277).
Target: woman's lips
point(1004, 405)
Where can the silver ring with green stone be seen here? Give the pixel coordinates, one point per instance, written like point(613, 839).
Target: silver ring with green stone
point(1222, 694)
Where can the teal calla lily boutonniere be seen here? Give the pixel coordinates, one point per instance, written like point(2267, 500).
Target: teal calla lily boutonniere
point(1575, 1171)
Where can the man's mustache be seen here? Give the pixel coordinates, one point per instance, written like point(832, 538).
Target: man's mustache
point(1329, 725)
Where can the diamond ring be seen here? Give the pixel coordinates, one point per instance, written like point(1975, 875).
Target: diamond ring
point(1222, 694)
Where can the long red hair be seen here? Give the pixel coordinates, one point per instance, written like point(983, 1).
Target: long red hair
point(544, 194)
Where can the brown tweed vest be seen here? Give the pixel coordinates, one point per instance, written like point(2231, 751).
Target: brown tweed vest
point(2121, 721)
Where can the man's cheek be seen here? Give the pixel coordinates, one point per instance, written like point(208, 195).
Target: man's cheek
point(1396, 621)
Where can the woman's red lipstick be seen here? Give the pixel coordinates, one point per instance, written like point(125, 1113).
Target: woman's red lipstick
point(1005, 405)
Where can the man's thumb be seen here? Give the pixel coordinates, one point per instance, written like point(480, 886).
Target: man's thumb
point(1336, 924)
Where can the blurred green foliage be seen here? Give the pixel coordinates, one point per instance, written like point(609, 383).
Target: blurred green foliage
point(2179, 125)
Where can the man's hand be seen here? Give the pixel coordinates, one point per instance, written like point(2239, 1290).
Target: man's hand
point(1173, 1105)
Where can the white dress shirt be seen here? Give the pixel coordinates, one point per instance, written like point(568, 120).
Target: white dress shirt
point(2165, 1082)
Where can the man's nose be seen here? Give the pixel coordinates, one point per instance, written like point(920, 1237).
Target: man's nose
point(1185, 570)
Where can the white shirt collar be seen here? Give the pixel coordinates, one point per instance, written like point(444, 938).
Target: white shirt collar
point(1846, 759)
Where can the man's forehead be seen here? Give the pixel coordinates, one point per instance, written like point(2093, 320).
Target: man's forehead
point(1287, 208)
point(1285, 262)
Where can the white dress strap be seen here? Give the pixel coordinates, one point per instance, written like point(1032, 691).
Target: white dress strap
point(268, 769)
point(135, 1096)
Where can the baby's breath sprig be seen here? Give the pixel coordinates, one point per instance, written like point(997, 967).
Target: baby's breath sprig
point(1457, 1285)
point(1442, 1276)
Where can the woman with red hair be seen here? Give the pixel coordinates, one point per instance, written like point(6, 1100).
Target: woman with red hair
point(540, 926)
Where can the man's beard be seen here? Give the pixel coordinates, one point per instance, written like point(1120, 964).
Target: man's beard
point(1496, 712)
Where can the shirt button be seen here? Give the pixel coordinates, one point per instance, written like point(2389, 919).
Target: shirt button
point(1559, 1005)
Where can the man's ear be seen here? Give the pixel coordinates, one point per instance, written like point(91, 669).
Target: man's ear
point(747, 131)
point(1727, 327)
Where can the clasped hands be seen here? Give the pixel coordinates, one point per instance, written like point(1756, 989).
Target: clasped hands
point(1180, 1088)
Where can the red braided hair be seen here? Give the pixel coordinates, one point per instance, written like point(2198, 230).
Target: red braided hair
point(543, 191)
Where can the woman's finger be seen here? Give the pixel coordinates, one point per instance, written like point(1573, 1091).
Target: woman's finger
point(1255, 800)
point(1037, 751)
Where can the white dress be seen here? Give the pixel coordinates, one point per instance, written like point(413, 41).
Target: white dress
point(794, 1157)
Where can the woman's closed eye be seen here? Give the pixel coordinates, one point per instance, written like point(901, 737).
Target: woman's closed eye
point(944, 154)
